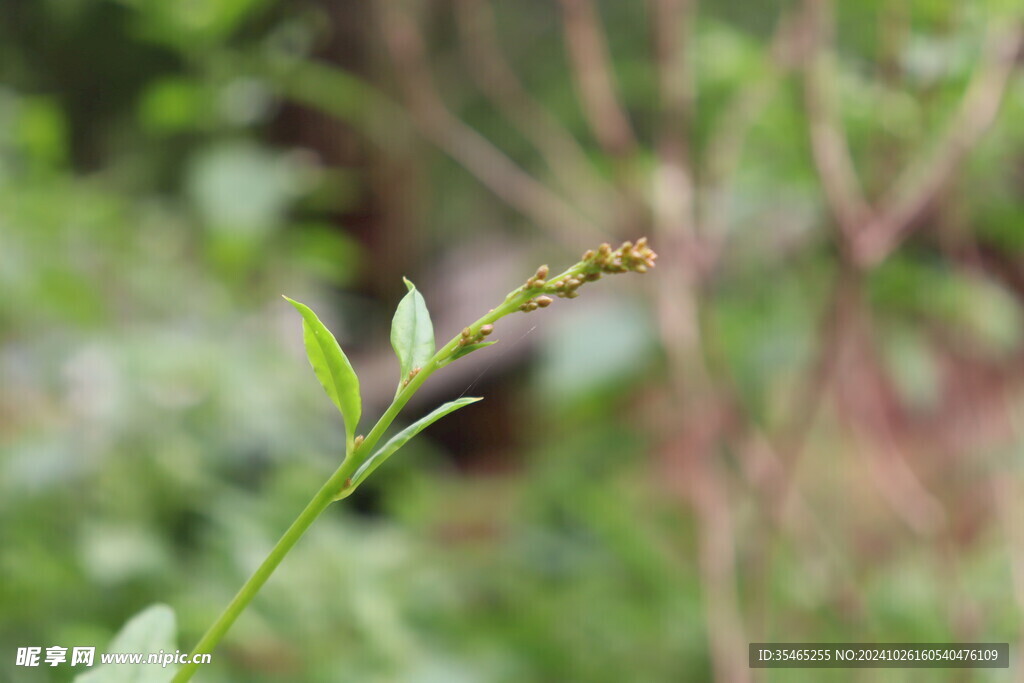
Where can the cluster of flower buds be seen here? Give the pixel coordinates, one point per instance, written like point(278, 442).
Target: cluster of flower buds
point(567, 287)
point(535, 303)
point(538, 279)
point(468, 338)
point(629, 257)
point(408, 378)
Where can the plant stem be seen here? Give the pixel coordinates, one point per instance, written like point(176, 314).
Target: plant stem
point(341, 477)
point(248, 591)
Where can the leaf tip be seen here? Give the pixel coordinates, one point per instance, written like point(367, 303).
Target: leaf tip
point(299, 306)
point(408, 283)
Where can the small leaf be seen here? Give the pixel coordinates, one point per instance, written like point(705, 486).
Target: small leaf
point(412, 333)
point(332, 368)
point(400, 439)
point(149, 631)
point(465, 350)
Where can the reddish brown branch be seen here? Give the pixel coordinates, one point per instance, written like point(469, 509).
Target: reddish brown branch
point(496, 79)
point(922, 183)
point(475, 153)
point(828, 141)
point(872, 234)
point(588, 57)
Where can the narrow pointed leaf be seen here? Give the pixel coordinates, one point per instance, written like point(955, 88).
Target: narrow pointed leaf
point(466, 350)
point(412, 333)
point(331, 367)
point(400, 439)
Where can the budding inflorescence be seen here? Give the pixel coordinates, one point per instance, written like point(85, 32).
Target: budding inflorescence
point(595, 262)
point(468, 337)
point(537, 279)
point(629, 257)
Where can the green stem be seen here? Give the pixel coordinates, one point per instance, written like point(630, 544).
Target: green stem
point(341, 477)
point(248, 591)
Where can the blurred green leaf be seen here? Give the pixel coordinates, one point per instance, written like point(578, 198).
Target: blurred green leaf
point(190, 26)
point(975, 308)
point(42, 132)
point(412, 333)
point(332, 368)
point(242, 190)
point(400, 439)
point(325, 253)
point(172, 104)
point(149, 631)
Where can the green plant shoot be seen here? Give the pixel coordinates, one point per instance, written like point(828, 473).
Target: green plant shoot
point(412, 336)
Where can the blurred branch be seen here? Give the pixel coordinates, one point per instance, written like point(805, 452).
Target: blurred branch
point(917, 189)
point(674, 185)
point(678, 293)
point(588, 57)
point(693, 470)
point(717, 542)
point(866, 402)
point(466, 146)
point(829, 148)
point(496, 79)
point(788, 444)
point(342, 95)
point(725, 147)
point(872, 234)
point(671, 27)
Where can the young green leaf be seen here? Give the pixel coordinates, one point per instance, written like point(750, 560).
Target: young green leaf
point(332, 368)
point(412, 333)
point(151, 630)
point(465, 350)
point(400, 439)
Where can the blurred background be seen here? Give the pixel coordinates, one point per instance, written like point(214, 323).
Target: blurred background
point(803, 425)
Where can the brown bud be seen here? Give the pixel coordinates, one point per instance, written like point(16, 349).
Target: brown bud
point(544, 301)
point(359, 441)
point(542, 273)
point(467, 333)
point(486, 330)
